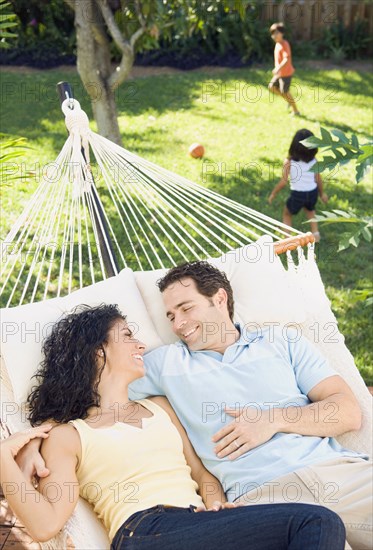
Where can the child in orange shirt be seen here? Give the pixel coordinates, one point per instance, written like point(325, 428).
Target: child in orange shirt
point(283, 70)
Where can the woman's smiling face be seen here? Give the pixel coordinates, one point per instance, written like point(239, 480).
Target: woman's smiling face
point(124, 351)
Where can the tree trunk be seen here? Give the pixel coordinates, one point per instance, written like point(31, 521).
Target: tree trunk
point(105, 113)
point(94, 67)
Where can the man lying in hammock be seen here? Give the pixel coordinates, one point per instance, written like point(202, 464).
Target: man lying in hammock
point(261, 411)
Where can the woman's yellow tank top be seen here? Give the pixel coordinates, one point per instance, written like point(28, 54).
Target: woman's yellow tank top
point(125, 469)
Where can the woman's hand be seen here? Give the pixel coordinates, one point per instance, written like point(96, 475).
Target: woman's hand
point(14, 443)
point(217, 506)
point(324, 197)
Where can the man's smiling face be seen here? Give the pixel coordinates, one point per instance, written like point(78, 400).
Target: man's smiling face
point(196, 319)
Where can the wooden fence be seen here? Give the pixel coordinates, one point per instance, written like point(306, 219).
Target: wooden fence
point(308, 18)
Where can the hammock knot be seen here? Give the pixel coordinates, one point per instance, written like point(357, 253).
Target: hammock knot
point(76, 119)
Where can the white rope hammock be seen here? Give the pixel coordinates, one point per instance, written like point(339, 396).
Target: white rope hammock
point(144, 217)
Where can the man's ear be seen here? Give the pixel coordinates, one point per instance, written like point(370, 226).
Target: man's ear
point(221, 298)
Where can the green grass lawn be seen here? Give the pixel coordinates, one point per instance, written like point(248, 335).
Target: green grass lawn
point(246, 133)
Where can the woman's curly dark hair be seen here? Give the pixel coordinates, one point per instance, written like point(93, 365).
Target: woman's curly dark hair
point(68, 377)
point(207, 277)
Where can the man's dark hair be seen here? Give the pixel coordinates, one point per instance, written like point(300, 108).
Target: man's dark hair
point(277, 27)
point(207, 277)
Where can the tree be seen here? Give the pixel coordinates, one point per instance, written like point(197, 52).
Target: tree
point(132, 25)
point(96, 26)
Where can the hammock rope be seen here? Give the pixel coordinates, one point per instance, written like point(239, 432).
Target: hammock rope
point(77, 229)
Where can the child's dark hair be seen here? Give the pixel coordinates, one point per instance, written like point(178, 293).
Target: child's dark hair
point(298, 151)
point(280, 27)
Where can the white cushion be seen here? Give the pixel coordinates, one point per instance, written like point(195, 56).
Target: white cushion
point(261, 289)
point(23, 328)
point(265, 292)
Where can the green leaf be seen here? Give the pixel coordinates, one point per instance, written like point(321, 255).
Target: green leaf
point(339, 134)
point(355, 141)
point(362, 168)
point(312, 142)
point(366, 234)
point(354, 240)
point(344, 242)
point(343, 213)
point(326, 136)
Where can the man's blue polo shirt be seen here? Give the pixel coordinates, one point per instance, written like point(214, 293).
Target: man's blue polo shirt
point(275, 369)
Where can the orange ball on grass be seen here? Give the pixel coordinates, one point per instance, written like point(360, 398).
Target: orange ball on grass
point(196, 150)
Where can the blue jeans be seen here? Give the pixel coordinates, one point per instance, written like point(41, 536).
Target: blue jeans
point(257, 527)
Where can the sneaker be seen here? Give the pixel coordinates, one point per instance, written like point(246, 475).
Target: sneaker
point(295, 114)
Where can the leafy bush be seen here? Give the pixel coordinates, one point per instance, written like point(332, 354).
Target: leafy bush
point(340, 42)
point(185, 33)
point(7, 21)
point(46, 35)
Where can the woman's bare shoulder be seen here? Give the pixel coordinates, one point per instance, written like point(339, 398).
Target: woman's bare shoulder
point(63, 435)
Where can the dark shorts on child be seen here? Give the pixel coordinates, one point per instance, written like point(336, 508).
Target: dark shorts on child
point(282, 83)
point(302, 199)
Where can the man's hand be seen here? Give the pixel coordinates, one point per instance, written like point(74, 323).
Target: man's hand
point(31, 462)
point(244, 433)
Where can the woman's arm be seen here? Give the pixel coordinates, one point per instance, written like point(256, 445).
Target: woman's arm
point(30, 460)
point(283, 181)
point(43, 512)
point(210, 488)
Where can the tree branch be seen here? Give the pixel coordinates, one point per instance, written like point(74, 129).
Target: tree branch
point(125, 46)
point(139, 14)
point(108, 16)
point(136, 35)
point(71, 4)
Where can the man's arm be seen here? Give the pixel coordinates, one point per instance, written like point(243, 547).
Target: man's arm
point(334, 410)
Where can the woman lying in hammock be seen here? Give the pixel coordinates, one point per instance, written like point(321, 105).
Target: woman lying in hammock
point(132, 460)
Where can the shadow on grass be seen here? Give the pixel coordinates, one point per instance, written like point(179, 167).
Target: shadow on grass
point(330, 123)
point(36, 99)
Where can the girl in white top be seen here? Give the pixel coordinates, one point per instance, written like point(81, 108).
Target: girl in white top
point(305, 185)
point(132, 460)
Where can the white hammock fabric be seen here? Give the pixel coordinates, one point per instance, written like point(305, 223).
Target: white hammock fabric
point(153, 219)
